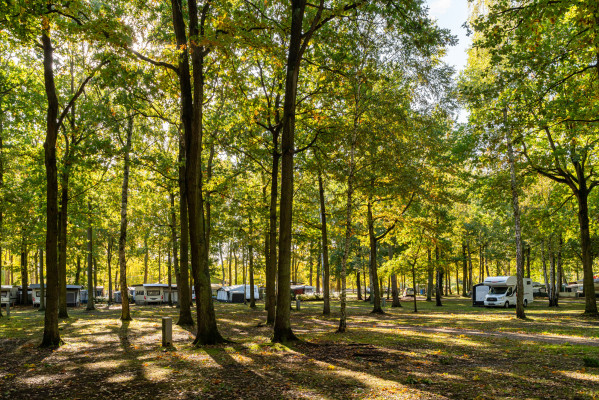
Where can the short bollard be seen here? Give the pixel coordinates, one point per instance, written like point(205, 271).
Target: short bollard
point(8, 310)
point(167, 331)
point(297, 304)
point(383, 302)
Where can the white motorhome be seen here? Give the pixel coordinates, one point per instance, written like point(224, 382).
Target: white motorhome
point(502, 292)
point(9, 294)
point(149, 293)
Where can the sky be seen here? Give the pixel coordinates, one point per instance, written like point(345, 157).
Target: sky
point(452, 14)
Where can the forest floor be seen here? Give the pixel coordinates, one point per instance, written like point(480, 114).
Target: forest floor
point(452, 352)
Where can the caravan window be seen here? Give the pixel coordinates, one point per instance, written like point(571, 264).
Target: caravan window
point(38, 293)
point(139, 293)
point(498, 290)
point(153, 292)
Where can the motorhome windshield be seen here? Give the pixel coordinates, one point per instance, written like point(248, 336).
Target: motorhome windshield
point(153, 292)
point(498, 290)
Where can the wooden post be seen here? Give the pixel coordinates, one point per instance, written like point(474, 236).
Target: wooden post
point(297, 304)
point(167, 331)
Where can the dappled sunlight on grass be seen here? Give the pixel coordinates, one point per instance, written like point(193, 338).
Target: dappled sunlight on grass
point(456, 351)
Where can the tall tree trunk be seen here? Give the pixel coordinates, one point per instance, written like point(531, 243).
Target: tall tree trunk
point(78, 272)
point(358, 286)
point(319, 266)
point(125, 312)
point(551, 293)
point(430, 278)
point(373, 265)
point(326, 308)
point(251, 251)
point(414, 279)
point(159, 266)
point(282, 327)
point(469, 266)
point(169, 278)
point(183, 286)
point(51, 336)
point(109, 263)
point(464, 270)
point(42, 280)
point(62, 231)
point(175, 260)
point(528, 262)
point(560, 270)
point(310, 264)
point(544, 261)
point(518, 233)
point(192, 118)
point(395, 291)
point(146, 255)
point(95, 276)
point(439, 276)
point(271, 266)
point(91, 290)
point(586, 246)
point(348, 227)
point(24, 270)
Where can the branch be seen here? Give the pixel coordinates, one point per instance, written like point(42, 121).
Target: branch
point(307, 146)
point(79, 92)
point(153, 62)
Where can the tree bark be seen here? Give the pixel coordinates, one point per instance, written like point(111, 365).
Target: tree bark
point(192, 119)
point(282, 328)
point(348, 227)
point(183, 286)
point(42, 280)
point(518, 232)
point(174, 250)
point(125, 312)
point(91, 290)
point(251, 256)
point(51, 336)
point(24, 271)
point(464, 271)
point(271, 266)
point(439, 276)
point(62, 236)
point(109, 264)
point(326, 308)
point(373, 265)
point(358, 286)
point(146, 256)
point(430, 281)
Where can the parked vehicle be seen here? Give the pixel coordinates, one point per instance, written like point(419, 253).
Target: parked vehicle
point(408, 292)
point(502, 292)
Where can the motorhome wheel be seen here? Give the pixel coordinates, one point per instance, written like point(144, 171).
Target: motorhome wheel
point(507, 304)
point(525, 303)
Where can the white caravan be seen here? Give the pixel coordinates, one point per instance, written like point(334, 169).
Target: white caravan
point(9, 294)
point(502, 292)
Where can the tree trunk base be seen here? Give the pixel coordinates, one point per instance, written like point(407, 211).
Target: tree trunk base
point(342, 327)
point(63, 315)
point(285, 336)
point(398, 304)
point(185, 321)
point(377, 310)
point(126, 319)
point(214, 338)
point(51, 343)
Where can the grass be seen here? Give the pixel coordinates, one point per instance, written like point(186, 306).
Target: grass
point(455, 351)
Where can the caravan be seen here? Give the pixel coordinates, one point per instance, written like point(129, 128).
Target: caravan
point(502, 292)
point(9, 294)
